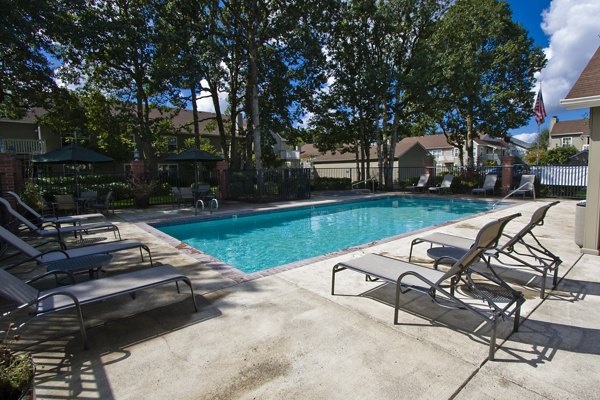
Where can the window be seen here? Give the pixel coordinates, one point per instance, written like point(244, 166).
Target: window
point(455, 152)
point(172, 143)
point(436, 153)
point(566, 141)
point(167, 171)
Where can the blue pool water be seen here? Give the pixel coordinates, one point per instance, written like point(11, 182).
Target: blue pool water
point(259, 241)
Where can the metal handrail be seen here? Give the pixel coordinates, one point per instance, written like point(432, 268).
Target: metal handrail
point(512, 192)
point(372, 180)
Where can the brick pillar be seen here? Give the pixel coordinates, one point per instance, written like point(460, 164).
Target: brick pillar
point(428, 166)
point(507, 164)
point(222, 178)
point(138, 169)
point(7, 176)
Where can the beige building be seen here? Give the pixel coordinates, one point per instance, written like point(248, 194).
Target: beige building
point(585, 93)
point(574, 133)
point(408, 153)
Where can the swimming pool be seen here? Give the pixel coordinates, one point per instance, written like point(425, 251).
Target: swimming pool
point(265, 240)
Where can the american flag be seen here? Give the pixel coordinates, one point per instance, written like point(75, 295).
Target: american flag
point(539, 111)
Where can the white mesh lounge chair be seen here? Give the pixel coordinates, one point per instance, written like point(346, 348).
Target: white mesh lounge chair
point(73, 219)
point(499, 300)
point(58, 231)
point(421, 184)
point(489, 185)
point(526, 186)
point(54, 255)
point(520, 253)
point(74, 296)
point(444, 186)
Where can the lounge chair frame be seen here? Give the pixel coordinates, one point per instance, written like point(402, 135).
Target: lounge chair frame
point(435, 283)
point(515, 248)
point(86, 292)
point(40, 219)
point(53, 229)
point(489, 185)
point(444, 186)
point(55, 254)
point(421, 184)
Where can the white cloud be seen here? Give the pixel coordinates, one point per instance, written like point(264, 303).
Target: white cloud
point(526, 137)
point(205, 103)
point(572, 27)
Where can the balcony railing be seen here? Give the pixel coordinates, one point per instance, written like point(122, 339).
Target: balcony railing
point(289, 154)
point(23, 146)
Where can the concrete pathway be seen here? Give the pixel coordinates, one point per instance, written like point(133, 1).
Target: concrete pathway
point(285, 336)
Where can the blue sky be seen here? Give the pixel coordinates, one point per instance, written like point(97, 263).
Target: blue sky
point(568, 31)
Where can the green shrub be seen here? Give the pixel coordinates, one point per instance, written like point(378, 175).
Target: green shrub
point(331, 184)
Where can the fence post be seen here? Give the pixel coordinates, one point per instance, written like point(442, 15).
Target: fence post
point(10, 173)
point(428, 168)
point(222, 179)
point(507, 164)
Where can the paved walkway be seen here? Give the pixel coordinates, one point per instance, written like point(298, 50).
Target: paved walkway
point(285, 336)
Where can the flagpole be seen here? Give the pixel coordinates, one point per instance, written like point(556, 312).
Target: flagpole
point(537, 152)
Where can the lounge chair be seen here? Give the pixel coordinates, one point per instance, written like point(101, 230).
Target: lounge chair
point(183, 194)
point(103, 204)
point(515, 248)
point(58, 231)
point(489, 185)
point(502, 301)
point(64, 203)
point(93, 291)
point(444, 186)
point(423, 179)
point(526, 186)
point(54, 255)
point(74, 219)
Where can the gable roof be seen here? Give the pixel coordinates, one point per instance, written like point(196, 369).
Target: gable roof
point(430, 142)
point(572, 127)
point(401, 148)
point(586, 90)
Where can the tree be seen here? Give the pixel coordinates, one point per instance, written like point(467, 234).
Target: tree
point(113, 51)
point(558, 155)
point(28, 29)
point(485, 64)
point(538, 148)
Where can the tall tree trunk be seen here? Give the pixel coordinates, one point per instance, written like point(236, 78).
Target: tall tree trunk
point(253, 83)
point(195, 116)
point(469, 144)
point(214, 94)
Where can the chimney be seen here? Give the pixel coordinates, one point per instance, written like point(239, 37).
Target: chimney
point(553, 121)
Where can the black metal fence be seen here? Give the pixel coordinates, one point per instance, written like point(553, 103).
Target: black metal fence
point(560, 181)
point(292, 184)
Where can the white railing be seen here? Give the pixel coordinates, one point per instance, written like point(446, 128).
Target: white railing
point(289, 154)
point(23, 146)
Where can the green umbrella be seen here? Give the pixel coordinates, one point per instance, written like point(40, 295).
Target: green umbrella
point(72, 154)
point(195, 155)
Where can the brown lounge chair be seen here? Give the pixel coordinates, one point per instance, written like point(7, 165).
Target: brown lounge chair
point(534, 256)
point(40, 302)
point(499, 300)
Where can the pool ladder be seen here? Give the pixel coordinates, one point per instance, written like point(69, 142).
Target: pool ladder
point(511, 193)
point(214, 205)
point(372, 180)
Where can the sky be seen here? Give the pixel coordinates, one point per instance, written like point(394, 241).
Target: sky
point(568, 32)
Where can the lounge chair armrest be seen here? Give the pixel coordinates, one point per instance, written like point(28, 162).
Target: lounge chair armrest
point(442, 259)
point(55, 272)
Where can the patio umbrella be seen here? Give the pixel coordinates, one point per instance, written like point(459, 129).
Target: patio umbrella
point(196, 156)
point(72, 154)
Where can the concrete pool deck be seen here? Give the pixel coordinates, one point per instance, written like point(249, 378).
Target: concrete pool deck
point(284, 336)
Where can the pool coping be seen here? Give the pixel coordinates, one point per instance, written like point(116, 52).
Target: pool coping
point(238, 276)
